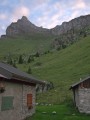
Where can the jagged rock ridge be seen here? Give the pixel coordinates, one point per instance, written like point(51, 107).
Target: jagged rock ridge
point(70, 32)
point(24, 27)
point(74, 25)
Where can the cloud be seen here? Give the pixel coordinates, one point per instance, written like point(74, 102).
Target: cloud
point(48, 22)
point(19, 12)
point(50, 16)
point(46, 13)
point(3, 17)
point(73, 15)
point(2, 29)
point(59, 12)
point(79, 4)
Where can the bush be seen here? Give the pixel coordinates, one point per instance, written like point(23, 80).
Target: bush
point(14, 64)
point(30, 59)
point(20, 59)
point(29, 70)
point(9, 61)
point(38, 64)
point(37, 54)
point(59, 48)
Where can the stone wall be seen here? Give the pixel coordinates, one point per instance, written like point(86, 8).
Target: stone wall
point(76, 97)
point(28, 90)
point(19, 92)
point(83, 100)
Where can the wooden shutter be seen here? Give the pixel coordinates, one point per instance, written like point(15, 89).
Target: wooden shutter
point(7, 103)
point(29, 100)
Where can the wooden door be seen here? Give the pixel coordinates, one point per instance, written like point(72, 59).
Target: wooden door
point(29, 100)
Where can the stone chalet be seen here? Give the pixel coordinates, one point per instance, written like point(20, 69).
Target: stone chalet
point(17, 93)
point(81, 91)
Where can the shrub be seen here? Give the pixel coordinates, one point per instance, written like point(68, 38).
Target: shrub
point(20, 59)
point(38, 64)
point(29, 70)
point(37, 54)
point(14, 64)
point(9, 61)
point(30, 59)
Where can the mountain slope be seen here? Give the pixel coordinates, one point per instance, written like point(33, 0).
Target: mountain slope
point(58, 37)
point(25, 45)
point(63, 68)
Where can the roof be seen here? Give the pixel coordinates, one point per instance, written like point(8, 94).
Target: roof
point(10, 72)
point(76, 84)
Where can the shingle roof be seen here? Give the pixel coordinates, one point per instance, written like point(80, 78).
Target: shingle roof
point(76, 84)
point(14, 72)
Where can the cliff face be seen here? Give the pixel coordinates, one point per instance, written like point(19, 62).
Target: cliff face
point(74, 25)
point(24, 27)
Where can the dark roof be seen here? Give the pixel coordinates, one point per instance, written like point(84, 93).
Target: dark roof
point(76, 84)
point(10, 72)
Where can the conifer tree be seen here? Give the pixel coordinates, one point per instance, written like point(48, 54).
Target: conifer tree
point(29, 70)
point(20, 59)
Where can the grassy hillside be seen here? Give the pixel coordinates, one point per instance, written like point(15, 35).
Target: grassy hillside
point(63, 68)
point(25, 45)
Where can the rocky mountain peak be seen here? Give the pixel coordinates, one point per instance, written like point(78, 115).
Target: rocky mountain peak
point(24, 27)
point(24, 18)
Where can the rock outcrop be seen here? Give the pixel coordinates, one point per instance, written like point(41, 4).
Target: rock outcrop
point(70, 32)
point(46, 87)
point(72, 26)
point(24, 27)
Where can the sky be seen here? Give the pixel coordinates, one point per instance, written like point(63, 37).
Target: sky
point(45, 13)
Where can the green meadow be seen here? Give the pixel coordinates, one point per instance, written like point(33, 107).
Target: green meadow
point(25, 45)
point(63, 112)
point(63, 68)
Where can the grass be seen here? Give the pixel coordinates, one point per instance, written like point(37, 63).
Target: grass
point(63, 112)
point(25, 45)
point(63, 68)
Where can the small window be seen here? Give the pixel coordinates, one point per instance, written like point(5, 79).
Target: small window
point(29, 101)
point(7, 103)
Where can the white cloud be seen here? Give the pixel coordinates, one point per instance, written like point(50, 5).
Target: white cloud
point(79, 4)
point(20, 11)
point(73, 15)
point(2, 30)
point(3, 17)
point(48, 21)
point(3, 27)
point(51, 15)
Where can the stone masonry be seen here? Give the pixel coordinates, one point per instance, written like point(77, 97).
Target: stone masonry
point(82, 98)
point(20, 109)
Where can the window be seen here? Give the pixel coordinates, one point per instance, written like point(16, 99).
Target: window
point(7, 103)
point(29, 101)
